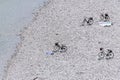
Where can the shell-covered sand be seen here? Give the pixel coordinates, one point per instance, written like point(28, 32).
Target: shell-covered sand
point(60, 21)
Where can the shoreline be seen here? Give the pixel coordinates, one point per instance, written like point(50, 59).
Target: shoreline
point(60, 22)
point(18, 45)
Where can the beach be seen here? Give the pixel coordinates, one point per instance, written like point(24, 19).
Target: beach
point(60, 21)
point(14, 15)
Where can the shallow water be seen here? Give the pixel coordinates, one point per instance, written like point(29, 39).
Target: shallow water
point(14, 14)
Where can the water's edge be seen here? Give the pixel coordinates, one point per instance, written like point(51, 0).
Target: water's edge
point(18, 45)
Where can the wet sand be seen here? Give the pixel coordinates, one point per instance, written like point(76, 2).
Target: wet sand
point(14, 15)
point(60, 21)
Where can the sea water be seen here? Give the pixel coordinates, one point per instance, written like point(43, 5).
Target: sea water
point(14, 14)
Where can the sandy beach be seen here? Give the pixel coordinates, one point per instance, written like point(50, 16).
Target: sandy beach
point(60, 21)
point(14, 15)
